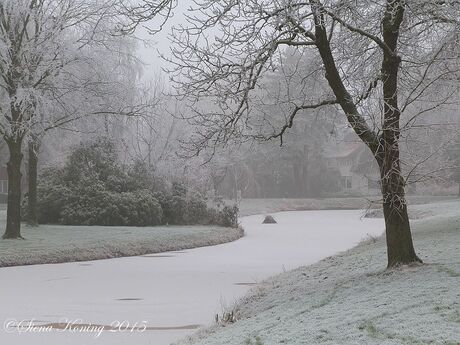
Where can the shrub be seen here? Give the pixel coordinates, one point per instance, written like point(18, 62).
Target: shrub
point(101, 207)
point(85, 205)
point(176, 204)
point(52, 196)
point(148, 209)
point(178, 189)
point(173, 207)
point(197, 210)
point(184, 207)
point(228, 216)
point(51, 203)
point(96, 160)
point(177, 207)
point(140, 177)
point(93, 189)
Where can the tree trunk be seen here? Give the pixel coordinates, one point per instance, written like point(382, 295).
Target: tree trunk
point(307, 188)
point(385, 147)
point(400, 249)
point(13, 215)
point(297, 188)
point(32, 218)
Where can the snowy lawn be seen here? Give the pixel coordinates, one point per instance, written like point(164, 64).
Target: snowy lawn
point(173, 293)
point(351, 299)
point(257, 206)
point(56, 243)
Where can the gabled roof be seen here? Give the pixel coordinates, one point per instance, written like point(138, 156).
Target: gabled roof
point(343, 149)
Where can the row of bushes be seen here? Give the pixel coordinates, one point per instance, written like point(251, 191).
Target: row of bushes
point(95, 206)
point(98, 207)
point(94, 189)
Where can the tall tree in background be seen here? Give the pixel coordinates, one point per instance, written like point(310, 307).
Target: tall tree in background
point(454, 156)
point(38, 40)
point(100, 87)
point(378, 58)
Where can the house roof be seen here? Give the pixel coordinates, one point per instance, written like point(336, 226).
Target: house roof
point(343, 150)
point(366, 164)
point(363, 161)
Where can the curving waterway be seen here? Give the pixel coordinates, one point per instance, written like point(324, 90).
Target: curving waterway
point(160, 298)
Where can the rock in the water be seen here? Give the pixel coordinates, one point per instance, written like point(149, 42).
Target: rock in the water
point(269, 220)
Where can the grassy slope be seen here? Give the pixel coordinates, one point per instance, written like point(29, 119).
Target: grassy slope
point(55, 243)
point(258, 206)
point(351, 299)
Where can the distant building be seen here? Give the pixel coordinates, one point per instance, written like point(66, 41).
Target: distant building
point(356, 167)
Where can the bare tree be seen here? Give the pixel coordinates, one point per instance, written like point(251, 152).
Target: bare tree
point(135, 13)
point(39, 39)
point(377, 58)
point(146, 141)
point(453, 154)
point(100, 88)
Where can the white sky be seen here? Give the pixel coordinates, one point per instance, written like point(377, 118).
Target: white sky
point(159, 42)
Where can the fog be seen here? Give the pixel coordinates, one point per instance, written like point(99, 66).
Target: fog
point(132, 127)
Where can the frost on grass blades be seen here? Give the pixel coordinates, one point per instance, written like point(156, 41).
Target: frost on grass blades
point(159, 158)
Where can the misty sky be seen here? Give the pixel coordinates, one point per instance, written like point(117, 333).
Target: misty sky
point(159, 42)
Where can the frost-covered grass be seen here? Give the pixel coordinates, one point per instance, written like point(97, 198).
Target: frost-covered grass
point(422, 211)
point(352, 299)
point(57, 243)
point(260, 206)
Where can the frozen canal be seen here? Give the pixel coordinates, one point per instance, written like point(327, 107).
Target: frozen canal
point(169, 294)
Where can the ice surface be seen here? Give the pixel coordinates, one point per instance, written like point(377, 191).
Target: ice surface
point(171, 289)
